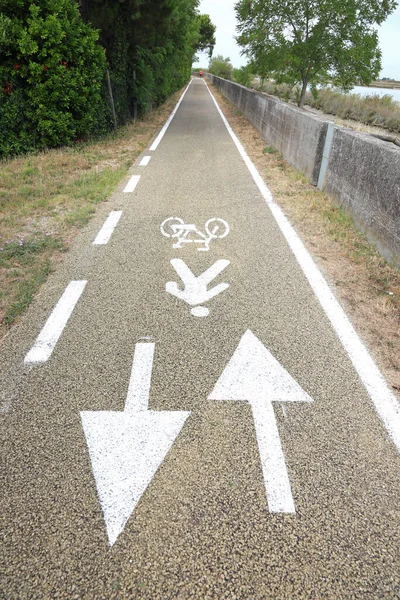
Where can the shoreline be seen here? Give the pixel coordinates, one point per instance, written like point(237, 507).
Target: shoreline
point(384, 84)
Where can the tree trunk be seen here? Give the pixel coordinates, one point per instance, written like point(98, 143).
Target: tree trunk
point(303, 93)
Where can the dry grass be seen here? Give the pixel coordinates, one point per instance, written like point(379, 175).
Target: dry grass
point(367, 286)
point(45, 198)
point(372, 111)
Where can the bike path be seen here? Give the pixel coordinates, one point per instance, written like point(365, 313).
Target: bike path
point(203, 527)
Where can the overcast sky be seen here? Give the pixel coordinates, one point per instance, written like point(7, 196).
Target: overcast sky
point(223, 16)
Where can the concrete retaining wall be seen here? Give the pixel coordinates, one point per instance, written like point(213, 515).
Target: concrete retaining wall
point(362, 172)
point(297, 135)
point(363, 176)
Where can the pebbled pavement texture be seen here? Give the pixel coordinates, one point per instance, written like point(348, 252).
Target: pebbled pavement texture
point(202, 529)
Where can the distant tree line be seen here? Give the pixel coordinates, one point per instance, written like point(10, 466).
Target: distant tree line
point(222, 67)
point(54, 57)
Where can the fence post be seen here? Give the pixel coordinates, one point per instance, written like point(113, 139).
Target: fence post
point(134, 101)
point(111, 98)
point(325, 156)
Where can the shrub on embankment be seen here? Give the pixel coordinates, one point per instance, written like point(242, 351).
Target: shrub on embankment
point(54, 56)
point(371, 110)
point(150, 47)
point(51, 73)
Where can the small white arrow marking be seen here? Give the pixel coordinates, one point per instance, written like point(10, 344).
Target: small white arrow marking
point(126, 448)
point(253, 374)
point(195, 291)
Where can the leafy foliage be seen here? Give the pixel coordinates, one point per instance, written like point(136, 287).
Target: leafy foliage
point(309, 41)
point(243, 75)
point(150, 45)
point(53, 86)
point(206, 41)
point(220, 66)
point(51, 72)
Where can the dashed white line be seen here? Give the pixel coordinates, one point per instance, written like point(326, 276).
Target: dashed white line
point(132, 183)
point(48, 337)
point(145, 161)
point(160, 136)
point(107, 230)
point(385, 402)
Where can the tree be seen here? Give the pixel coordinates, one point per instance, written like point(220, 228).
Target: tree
point(206, 41)
point(243, 75)
point(150, 46)
point(53, 86)
point(313, 41)
point(221, 67)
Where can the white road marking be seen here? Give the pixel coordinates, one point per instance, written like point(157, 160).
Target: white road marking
point(127, 448)
point(48, 337)
point(253, 374)
point(107, 230)
point(139, 385)
point(195, 291)
point(132, 183)
point(160, 136)
point(385, 402)
point(200, 311)
point(145, 161)
point(189, 233)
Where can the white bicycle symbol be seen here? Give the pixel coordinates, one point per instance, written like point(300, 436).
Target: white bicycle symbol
point(187, 233)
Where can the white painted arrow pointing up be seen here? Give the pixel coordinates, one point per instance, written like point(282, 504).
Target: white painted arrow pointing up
point(253, 374)
point(126, 448)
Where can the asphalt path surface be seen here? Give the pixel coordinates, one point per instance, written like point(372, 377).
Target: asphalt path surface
point(203, 526)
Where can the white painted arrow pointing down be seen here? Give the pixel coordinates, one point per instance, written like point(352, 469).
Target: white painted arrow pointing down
point(126, 448)
point(196, 291)
point(253, 374)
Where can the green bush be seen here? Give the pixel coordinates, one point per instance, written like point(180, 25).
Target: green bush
point(51, 74)
point(53, 88)
point(243, 75)
point(150, 47)
point(221, 67)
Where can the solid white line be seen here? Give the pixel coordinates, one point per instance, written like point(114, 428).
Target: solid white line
point(145, 161)
point(137, 399)
point(132, 183)
point(160, 136)
point(384, 400)
point(48, 337)
point(107, 230)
